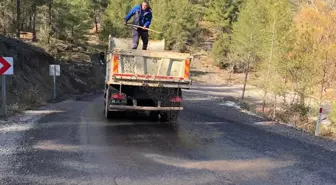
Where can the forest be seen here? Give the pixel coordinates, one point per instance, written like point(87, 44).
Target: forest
point(285, 47)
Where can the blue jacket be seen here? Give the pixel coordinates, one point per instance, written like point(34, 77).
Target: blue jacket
point(141, 17)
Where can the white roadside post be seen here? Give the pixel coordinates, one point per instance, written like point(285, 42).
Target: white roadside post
point(319, 119)
point(54, 70)
point(318, 123)
point(7, 68)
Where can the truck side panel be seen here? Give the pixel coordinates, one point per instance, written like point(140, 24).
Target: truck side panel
point(150, 66)
point(108, 70)
point(132, 67)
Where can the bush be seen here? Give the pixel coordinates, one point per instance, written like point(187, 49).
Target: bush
point(297, 114)
point(31, 98)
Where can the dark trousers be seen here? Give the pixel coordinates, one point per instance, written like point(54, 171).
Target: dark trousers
point(144, 37)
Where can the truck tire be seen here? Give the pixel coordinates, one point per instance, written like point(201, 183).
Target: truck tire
point(154, 115)
point(107, 113)
point(170, 116)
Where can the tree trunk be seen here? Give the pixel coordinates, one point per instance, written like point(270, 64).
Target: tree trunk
point(302, 99)
point(50, 23)
point(230, 77)
point(4, 31)
point(31, 19)
point(247, 69)
point(18, 16)
point(264, 101)
point(323, 84)
point(269, 67)
point(22, 17)
point(96, 21)
point(275, 106)
point(34, 23)
point(72, 31)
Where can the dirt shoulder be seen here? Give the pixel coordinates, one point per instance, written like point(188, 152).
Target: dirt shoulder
point(31, 86)
point(203, 71)
point(213, 81)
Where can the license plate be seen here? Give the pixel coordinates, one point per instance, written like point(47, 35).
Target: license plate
point(119, 101)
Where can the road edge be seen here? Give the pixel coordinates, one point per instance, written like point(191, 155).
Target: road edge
point(27, 117)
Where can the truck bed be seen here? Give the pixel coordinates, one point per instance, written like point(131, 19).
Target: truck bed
point(148, 68)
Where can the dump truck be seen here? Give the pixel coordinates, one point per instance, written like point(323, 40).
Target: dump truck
point(148, 81)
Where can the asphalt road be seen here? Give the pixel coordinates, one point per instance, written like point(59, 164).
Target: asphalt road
point(209, 145)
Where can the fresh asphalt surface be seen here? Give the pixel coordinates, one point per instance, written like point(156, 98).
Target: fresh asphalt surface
point(210, 144)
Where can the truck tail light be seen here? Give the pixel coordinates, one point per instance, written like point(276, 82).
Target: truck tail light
point(118, 96)
point(176, 99)
point(187, 68)
point(115, 63)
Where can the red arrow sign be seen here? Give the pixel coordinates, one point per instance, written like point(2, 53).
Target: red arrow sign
point(5, 65)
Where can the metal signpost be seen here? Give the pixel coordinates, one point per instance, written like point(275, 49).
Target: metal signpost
point(6, 68)
point(54, 70)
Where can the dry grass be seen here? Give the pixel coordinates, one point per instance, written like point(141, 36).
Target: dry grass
point(203, 70)
point(31, 98)
point(329, 132)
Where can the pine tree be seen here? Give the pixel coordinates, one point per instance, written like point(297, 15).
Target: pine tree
point(113, 21)
point(184, 26)
point(222, 14)
point(246, 38)
point(97, 8)
point(7, 17)
point(277, 22)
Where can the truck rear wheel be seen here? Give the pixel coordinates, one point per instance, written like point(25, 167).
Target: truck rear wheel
point(154, 115)
point(107, 113)
point(170, 116)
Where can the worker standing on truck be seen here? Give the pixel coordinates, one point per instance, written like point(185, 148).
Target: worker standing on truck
point(142, 17)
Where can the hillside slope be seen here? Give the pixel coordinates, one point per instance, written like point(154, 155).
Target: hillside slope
point(31, 85)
